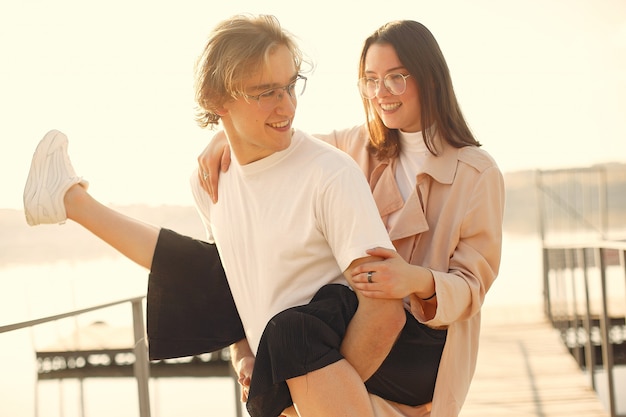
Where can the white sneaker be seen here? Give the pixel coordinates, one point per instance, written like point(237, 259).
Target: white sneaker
point(51, 175)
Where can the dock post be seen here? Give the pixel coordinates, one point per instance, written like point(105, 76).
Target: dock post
point(141, 366)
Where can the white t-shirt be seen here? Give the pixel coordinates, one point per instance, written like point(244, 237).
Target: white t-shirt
point(288, 224)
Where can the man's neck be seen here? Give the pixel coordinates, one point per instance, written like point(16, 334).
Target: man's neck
point(246, 153)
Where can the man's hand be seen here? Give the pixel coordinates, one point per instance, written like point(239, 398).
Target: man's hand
point(244, 369)
point(242, 359)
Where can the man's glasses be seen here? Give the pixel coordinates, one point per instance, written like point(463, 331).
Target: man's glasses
point(394, 83)
point(270, 98)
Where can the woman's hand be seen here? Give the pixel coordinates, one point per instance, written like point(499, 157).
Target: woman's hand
point(214, 158)
point(392, 277)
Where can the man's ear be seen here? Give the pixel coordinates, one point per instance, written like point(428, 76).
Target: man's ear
point(221, 111)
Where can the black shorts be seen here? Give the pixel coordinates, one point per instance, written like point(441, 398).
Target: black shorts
point(191, 311)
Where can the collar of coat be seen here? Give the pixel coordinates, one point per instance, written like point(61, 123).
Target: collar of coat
point(411, 220)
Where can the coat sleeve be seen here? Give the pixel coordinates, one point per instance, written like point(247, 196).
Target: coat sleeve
point(475, 260)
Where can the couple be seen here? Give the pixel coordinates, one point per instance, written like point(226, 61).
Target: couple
point(328, 311)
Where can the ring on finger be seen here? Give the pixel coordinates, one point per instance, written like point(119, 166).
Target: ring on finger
point(205, 175)
point(369, 276)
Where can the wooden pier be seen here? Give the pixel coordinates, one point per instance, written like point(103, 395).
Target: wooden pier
point(525, 370)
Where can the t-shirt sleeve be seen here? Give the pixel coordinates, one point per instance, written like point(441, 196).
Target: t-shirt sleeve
point(203, 202)
point(349, 217)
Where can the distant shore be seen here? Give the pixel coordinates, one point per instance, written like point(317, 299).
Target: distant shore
point(20, 243)
point(23, 244)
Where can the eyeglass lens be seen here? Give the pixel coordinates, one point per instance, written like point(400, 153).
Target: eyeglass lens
point(268, 99)
point(394, 83)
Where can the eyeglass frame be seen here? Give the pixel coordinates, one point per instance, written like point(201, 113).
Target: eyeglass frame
point(377, 84)
point(285, 88)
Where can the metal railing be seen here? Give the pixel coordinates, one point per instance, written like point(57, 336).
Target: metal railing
point(217, 364)
point(141, 367)
point(581, 226)
point(578, 302)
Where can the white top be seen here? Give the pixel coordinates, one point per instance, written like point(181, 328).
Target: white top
point(288, 224)
point(413, 153)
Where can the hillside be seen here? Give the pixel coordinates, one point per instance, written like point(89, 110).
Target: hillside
point(578, 190)
point(20, 243)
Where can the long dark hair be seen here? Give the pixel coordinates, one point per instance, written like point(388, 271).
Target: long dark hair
point(441, 114)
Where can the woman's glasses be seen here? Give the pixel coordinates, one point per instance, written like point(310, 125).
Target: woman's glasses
point(394, 83)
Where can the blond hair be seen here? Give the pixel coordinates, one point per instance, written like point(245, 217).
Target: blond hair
point(236, 48)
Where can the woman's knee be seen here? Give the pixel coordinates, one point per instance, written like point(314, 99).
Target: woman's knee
point(389, 313)
point(294, 329)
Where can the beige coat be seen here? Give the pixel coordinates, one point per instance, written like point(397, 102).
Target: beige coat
point(451, 224)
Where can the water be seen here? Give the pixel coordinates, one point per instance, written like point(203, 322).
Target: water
point(30, 291)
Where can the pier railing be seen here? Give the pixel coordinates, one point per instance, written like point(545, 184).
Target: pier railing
point(585, 299)
point(582, 229)
point(141, 366)
point(122, 361)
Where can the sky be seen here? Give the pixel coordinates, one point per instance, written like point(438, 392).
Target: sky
point(542, 83)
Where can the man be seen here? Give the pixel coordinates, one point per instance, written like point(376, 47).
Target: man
point(296, 215)
point(296, 218)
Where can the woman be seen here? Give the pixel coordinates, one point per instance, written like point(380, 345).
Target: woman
point(440, 196)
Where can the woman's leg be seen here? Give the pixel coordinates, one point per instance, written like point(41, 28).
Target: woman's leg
point(132, 238)
point(371, 334)
point(190, 306)
point(408, 374)
point(54, 193)
point(335, 390)
point(298, 361)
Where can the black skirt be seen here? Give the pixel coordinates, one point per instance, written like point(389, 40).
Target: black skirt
point(191, 311)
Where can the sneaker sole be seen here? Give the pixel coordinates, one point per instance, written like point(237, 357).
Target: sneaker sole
point(37, 175)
